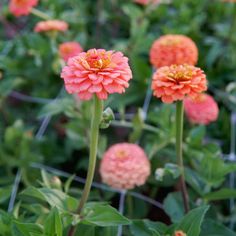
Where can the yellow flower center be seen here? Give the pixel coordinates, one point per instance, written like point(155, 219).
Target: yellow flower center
point(121, 154)
point(98, 60)
point(170, 41)
point(180, 74)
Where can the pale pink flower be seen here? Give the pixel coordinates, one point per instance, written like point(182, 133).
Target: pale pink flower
point(69, 49)
point(172, 83)
point(125, 166)
point(21, 7)
point(202, 109)
point(173, 49)
point(97, 71)
point(51, 25)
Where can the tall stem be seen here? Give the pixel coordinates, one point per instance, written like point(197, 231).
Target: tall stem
point(179, 152)
point(94, 133)
point(40, 14)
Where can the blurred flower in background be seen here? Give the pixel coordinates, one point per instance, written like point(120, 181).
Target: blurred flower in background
point(125, 166)
point(175, 82)
point(51, 25)
point(202, 109)
point(21, 7)
point(180, 233)
point(173, 49)
point(145, 2)
point(69, 49)
point(97, 72)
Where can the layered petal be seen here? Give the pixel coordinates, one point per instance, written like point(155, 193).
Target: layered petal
point(97, 72)
point(172, 83)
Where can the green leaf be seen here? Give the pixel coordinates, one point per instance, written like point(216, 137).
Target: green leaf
point(85, 230)
point(196, 136)
point(224, 193)
point(53, 224)
point(103, 215)
point(26, 229)
point(173, 205)
point(191, 223)
point(53, 197)
point(5, 193)
point(195, 181)
point(212, 228)
point(5, 222)
point(147, 228)
point(7, 85)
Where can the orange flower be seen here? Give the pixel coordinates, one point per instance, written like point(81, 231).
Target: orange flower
point(180, 233)
point(69, 49)
point(21, 7)
point(97, 72)
point(51, 25)
point(172, 83)
point(125, 166)
point(173, 50)
point(202, 109)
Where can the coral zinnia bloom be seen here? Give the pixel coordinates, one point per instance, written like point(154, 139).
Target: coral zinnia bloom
point(180, 233)
point(51, 25)
point(69, 49)
point(202, 109)
point(97, 72)
point(173, 50)
point(146, 2)
point(21, 7)
point(172, 83)
point(125, 166)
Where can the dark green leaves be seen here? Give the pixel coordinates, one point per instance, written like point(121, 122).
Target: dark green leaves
point(191, 223)
point(100, 214)
point(53, 224)
point(26, 229)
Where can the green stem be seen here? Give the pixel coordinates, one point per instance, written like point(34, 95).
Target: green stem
point(94, 133)
point(128, 124)
point(179, 151)
point(40, 14)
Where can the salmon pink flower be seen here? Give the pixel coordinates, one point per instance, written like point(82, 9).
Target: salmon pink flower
point(202, 109)
point(180, 233)
point(173, 50)
point(69, 49)
point(172, 83)
point(125, 166)
point(51, 25)
point(97, 72)
point(146, 2)
point(21, 7)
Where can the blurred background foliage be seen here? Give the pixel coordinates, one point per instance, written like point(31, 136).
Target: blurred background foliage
point(30, 64)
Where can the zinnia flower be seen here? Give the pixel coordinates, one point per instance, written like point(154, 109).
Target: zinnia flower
point(146, 2)
point(180, 233)
point(51, 25)
point(173, 50)
point(202, 109)
point(97, 72)
point(125, 166)
point(21, 7)
point(172, 83)
point(69, 49)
